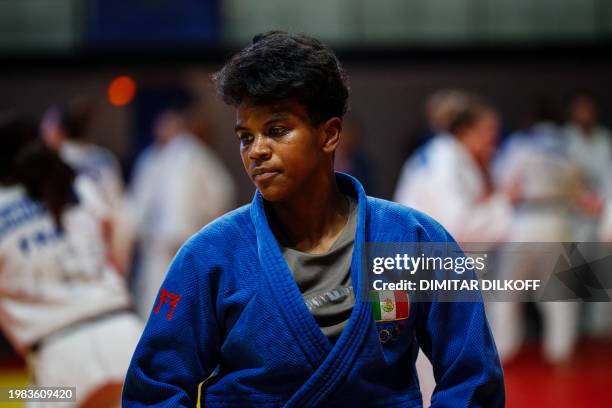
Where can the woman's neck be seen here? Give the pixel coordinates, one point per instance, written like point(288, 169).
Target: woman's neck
point(313, 219)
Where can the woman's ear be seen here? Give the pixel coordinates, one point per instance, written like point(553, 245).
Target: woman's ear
point(331, 131)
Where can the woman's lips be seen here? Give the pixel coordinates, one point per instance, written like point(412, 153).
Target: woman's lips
point(265, 176)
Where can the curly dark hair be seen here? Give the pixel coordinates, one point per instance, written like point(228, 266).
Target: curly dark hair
point(279, 66)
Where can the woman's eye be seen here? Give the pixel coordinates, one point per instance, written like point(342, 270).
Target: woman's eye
point(245, 138)
point(277, 131)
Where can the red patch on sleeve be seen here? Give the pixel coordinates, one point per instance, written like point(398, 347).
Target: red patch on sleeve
point(167, 297)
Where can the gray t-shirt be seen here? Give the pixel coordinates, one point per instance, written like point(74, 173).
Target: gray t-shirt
point(325, 279)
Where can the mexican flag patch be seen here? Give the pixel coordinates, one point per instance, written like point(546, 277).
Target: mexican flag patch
point(389, 305)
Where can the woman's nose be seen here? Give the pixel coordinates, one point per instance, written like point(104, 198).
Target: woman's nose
point(260, 148)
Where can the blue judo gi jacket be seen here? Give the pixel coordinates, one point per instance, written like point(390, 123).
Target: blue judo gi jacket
point(230, 328)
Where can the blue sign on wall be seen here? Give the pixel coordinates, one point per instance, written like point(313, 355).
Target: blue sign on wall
point(153, 22)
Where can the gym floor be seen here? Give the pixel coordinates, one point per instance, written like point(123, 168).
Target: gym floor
point(530, 382)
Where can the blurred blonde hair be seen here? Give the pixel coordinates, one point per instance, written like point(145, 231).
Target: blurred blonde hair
point(444, 106)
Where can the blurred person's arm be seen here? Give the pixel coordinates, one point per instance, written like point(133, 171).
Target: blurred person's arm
point(96, 205)
point(180, 344)
point(585, 200)
point(589, 203)
point(122, 234)
point(107, 226)
point(605, 230)
point(439, 184)
point(468, 217)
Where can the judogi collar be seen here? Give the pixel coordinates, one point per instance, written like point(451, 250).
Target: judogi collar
point(330, 363)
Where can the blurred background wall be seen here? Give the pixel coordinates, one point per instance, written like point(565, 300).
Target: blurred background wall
point(60, 25)
point(396, 53)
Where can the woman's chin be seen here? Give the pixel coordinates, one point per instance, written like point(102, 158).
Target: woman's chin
point(274, 193)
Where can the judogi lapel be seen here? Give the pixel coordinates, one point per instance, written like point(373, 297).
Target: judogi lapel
point(330, 363)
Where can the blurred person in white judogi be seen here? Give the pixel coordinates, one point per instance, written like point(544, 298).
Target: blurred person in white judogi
point(449, 179)
point(441, 108)
point(64, 129)
point(63, 305)
point(179, 185)
point(590, 146)
point(538, 159)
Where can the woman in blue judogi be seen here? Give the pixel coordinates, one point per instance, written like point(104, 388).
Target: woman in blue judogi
point(261, 307)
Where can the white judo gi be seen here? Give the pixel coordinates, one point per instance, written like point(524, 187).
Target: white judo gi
point(176, 190)
point(61, 302)
point(445, 182)
point(102, 167)
point(538, 158)
point(592, 153)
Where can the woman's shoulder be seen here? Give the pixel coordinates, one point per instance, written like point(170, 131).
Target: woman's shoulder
point(225, 231)
point(220, 251)
point(16, 208)
point(402, 224)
